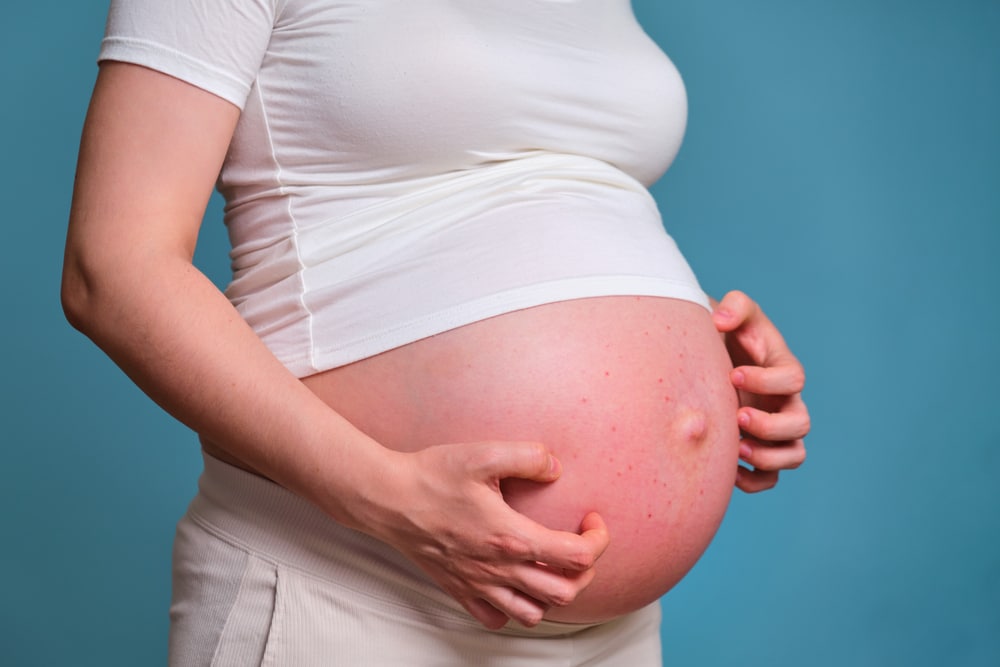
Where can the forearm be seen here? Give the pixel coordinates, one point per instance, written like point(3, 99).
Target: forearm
point(178, 338)
point(151, 149)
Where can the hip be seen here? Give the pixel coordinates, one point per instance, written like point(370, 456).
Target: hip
point(263, 577)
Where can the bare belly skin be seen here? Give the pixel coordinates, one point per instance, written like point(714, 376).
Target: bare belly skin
point(631, 394)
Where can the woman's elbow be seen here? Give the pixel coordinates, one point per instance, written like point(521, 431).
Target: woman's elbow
point(75, 293)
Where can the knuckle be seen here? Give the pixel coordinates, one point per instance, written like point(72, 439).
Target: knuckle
point(800, 455)
point(488, 455)
point(743, 302)
point(562, 596)
point(531, 619)
point(536, 455)
point(797, 378)
point(806, 424)
point(583, 560)
point(735, 295)
point(509, 547)
point(520, 458)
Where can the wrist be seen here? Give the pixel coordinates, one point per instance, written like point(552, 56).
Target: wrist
point(339, 469)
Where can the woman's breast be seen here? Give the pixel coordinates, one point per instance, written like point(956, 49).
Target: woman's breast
point(410, 89)
point(630, 393)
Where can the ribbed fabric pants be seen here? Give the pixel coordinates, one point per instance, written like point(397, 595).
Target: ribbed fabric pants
point(261, 577)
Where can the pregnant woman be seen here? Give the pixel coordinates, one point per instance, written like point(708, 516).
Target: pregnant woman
point(461, 374)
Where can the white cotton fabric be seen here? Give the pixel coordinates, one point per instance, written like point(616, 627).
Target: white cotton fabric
point(261, 577)
point(402, 168)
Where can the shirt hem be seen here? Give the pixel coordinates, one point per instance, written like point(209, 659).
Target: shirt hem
point(176, 64)
point(317, 361)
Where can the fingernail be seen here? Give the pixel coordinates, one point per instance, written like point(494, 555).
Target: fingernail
point(745, 451)
point(724, 313)
point(738, 378)
point(743, 420)
point(555, 468)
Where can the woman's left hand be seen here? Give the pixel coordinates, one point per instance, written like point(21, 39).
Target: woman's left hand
point(772, 416)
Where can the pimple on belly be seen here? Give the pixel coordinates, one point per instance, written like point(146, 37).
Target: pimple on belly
point(692, 425)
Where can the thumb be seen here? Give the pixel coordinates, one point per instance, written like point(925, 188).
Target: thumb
point(523, 460)
point(733, 311)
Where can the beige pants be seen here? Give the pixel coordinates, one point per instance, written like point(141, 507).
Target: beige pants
point(261, 577)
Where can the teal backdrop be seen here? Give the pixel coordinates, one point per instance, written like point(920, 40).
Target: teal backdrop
point(842, 165)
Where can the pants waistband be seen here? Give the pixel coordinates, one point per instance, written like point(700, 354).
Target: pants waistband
point(277, 525)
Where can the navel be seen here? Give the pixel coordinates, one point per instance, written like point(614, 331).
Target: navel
point(692, 425)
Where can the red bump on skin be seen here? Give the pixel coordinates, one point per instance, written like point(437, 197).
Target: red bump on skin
point(607, 373)
point(693, 426)
point(614, 429)
point(649, 516)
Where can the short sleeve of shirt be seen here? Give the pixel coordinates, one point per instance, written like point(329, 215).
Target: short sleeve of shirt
point(217, 45)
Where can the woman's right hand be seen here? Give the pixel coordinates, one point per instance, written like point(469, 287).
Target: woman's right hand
point(445, 512)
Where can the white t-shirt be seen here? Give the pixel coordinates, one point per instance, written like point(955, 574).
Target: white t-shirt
point(404, 167)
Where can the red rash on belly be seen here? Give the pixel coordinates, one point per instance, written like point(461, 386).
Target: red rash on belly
point(633, 396)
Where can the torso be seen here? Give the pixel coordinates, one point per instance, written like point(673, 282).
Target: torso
point(631, 394)
point(401, 168)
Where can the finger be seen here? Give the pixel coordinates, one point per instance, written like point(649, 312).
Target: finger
point(759, 343)
point(485, 613)
point(524, 460)
point(733, 311)
point(512, 604)
point(752, 339)
point(549, 586)
point(790, 423)
point(771, 456)
point(754, 481)
point(780, 380)
point(566, 551)
point(555, 586)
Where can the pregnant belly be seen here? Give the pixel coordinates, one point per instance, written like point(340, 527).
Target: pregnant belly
point(630, 393)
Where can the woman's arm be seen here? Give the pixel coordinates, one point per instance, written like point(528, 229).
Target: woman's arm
point(151, 150)
point(772, 416)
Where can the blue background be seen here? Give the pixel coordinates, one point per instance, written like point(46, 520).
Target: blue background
point(842, 165)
